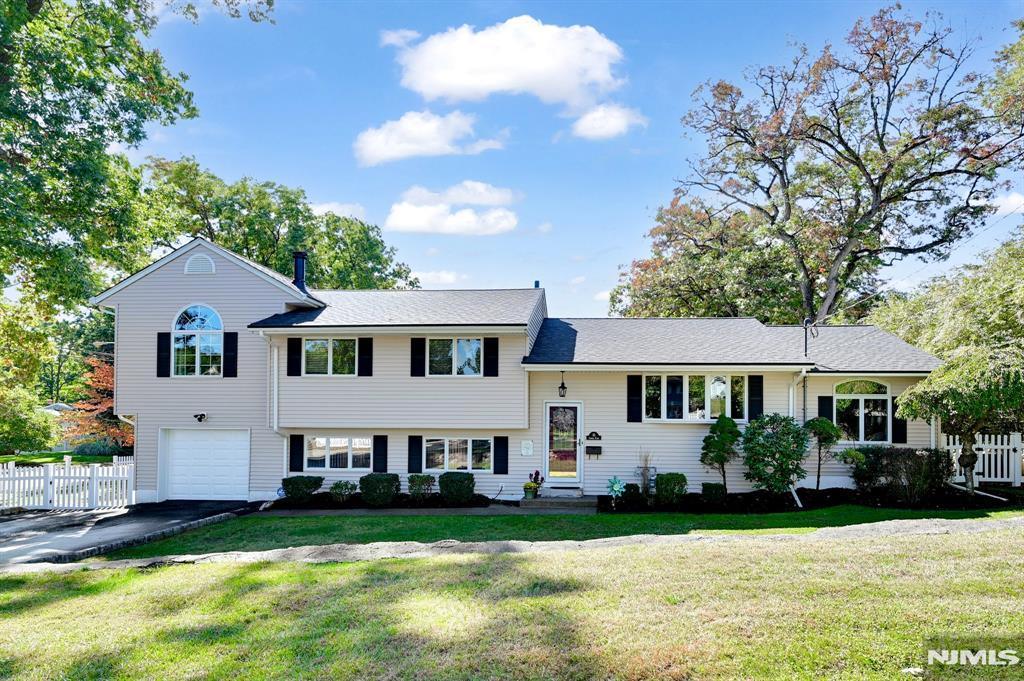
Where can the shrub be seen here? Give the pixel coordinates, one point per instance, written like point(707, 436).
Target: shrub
point(773, 447)
point(379, 489)
point(632, 497)
point(719, 446)
point(421, 485)
point(301, 487)
point(97, 448)
point(713, 492)
point(343, 490)
point(826, 434)
point(901, 473)
point(669, 488)
point(456, 488)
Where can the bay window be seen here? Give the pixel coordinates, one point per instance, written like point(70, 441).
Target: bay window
point(694, 397)
point(458, 454)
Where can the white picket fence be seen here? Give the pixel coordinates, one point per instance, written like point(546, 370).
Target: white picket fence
point(67, 486)
point(999, 458)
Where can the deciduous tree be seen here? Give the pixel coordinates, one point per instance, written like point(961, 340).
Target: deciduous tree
point(95, 414)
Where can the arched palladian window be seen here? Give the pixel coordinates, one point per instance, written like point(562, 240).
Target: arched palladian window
point(863, 410)
point(198, 342)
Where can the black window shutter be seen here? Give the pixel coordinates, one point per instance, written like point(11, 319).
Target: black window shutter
point(899, 426)
point(755, 401)
point(163, 354)
point(825, 407)
point(380, 453)
point(415, 453)
point(490, 356)
point(296, 447)
point(418, 357)
point(294, 356)
point(231, 354)
point(365, 357)
point(500, 455)
point(634, 398)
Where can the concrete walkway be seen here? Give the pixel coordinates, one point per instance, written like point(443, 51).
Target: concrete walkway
point(73, 535)
point(340, 553)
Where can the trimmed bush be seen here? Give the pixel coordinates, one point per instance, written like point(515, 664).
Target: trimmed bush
point(900, 474)
point(713, 492)
point(301, 487)
point(632, 498)
point(379, 489)
point(343, 490)
point(456, 488)
point(97, 448)
point(669, 488)
point(773, 448)
point(421, 486)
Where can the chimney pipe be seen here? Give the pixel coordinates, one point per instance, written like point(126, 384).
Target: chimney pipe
point(536, 283)
point(300, 270)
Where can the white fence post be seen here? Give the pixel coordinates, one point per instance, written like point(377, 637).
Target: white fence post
point(48, 485)
point(94, 483)
point(1015, 457)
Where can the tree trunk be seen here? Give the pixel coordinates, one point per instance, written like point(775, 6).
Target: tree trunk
point(968, 458)
point(817, 483)
point(721, 469)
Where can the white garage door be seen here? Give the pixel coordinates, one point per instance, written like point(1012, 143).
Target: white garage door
point(207, 464)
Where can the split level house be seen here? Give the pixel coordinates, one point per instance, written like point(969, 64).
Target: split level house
point(236, 376)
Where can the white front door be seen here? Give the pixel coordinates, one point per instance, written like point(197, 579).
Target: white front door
point(207, 463)
point(563, 423)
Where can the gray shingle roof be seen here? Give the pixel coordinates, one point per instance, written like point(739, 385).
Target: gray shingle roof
point(501, 307)
point(722, 342)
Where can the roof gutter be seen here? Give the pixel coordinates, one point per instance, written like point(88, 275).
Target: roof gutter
point(661, 368)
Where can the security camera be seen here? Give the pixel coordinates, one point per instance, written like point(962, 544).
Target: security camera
point(201, 416)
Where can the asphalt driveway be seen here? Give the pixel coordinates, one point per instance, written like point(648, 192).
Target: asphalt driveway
point(57, 535)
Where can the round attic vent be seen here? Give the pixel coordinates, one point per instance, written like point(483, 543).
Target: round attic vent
point(199, 263)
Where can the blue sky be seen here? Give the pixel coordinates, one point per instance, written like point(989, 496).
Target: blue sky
point(547, 166)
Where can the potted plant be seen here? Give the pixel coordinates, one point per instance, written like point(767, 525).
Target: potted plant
point(531, 488)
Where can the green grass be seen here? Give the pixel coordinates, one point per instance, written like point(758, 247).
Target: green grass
point(37, 458)
point(260, 532)
point(843, 609)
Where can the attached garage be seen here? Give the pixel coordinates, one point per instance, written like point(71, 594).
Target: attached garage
point(206, 463)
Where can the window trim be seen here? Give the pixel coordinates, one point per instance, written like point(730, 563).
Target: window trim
point(330, 356)
point(327, 460)
point(686, 397)
point(447, 439)
point(455, 357)
point(175, 331)
point(888, 397)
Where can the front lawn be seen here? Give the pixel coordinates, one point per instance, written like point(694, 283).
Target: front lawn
point(259, 532)
point(759, 608)
point(38, 458)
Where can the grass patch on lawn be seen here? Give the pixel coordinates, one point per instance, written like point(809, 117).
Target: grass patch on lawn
point(260, 532)
point(758, 608)
point(39, 458)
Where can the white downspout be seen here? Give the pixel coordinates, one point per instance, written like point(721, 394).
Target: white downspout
point(273, 411)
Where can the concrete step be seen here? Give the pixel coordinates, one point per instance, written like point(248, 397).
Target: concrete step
point(584, 502)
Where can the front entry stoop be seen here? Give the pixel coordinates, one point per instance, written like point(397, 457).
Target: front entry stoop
point(582, 503)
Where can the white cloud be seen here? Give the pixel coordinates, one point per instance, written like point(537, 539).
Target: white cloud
point(422, 133)
point(570, 65)
point(1009, 203)
point(544, 227)
point(398, 38)
point(576, 281)
point(432, 251)
point(607, 121)
point(353, 210)
point(425, 211)
point(440, 277)
point(466, 192)
point(603, 295)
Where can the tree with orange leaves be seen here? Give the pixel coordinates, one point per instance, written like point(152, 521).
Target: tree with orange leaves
point(95, 416)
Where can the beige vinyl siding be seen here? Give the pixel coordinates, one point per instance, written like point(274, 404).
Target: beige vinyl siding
point(391, 398)
point(540, 311)
point(149, 306)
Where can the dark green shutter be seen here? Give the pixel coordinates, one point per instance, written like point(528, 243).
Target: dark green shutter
point(418, 357)
point(899, 426)
point(755, 400)
point(490, 356)
point(365, 357)
point(294, 356)
point(415, 453)
point(163, 354)
point(231, 354)
point(380, 453)
point(634, 398)
point(500, 455)
point(825, 407)
point(296, 452)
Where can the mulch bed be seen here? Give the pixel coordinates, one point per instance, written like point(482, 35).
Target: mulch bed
point(323, 500)
point(766, 502)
